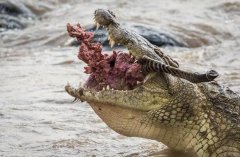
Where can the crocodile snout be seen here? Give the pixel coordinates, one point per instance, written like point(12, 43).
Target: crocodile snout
point(104, 17)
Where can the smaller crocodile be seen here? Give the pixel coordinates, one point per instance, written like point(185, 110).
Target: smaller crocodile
point(146, 50)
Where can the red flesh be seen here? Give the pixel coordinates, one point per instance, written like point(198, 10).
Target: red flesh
point(117, 70)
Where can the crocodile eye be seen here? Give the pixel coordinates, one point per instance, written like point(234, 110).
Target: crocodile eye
point(112, 13)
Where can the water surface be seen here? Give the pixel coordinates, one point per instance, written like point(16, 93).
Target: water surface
point(37, 117)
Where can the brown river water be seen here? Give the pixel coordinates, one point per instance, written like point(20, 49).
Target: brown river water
point(38, 118)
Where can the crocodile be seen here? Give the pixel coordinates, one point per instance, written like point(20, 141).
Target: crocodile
point(201, 117)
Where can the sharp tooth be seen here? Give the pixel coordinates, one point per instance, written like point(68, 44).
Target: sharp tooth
point(75, 99)
point(112, 42)
point(108, 87)
point(149, 76)
point(97, 25)
point(138, 82)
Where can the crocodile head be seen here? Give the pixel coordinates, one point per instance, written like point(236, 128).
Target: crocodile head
point(159, 107)
point(122, 109)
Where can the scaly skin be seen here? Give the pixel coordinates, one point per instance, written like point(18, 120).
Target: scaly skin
point(202, 118)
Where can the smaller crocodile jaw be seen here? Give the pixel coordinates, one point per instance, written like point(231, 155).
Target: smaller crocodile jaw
point(104, 17)
point(117, 34)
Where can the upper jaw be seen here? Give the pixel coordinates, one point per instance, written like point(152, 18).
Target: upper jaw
point(116, 34)
point(104, 17)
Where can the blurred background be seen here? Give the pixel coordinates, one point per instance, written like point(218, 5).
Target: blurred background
point(38, 58)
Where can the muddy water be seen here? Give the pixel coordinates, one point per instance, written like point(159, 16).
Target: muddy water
point(37, 117)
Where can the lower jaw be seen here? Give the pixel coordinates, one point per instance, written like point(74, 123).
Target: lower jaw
point(120, 119)
point(130, 122)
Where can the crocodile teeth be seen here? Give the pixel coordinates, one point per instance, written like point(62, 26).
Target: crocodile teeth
point(111, 43)
point(149, 76)
point(108, 87)
point(97, 25)
point(75, 99)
